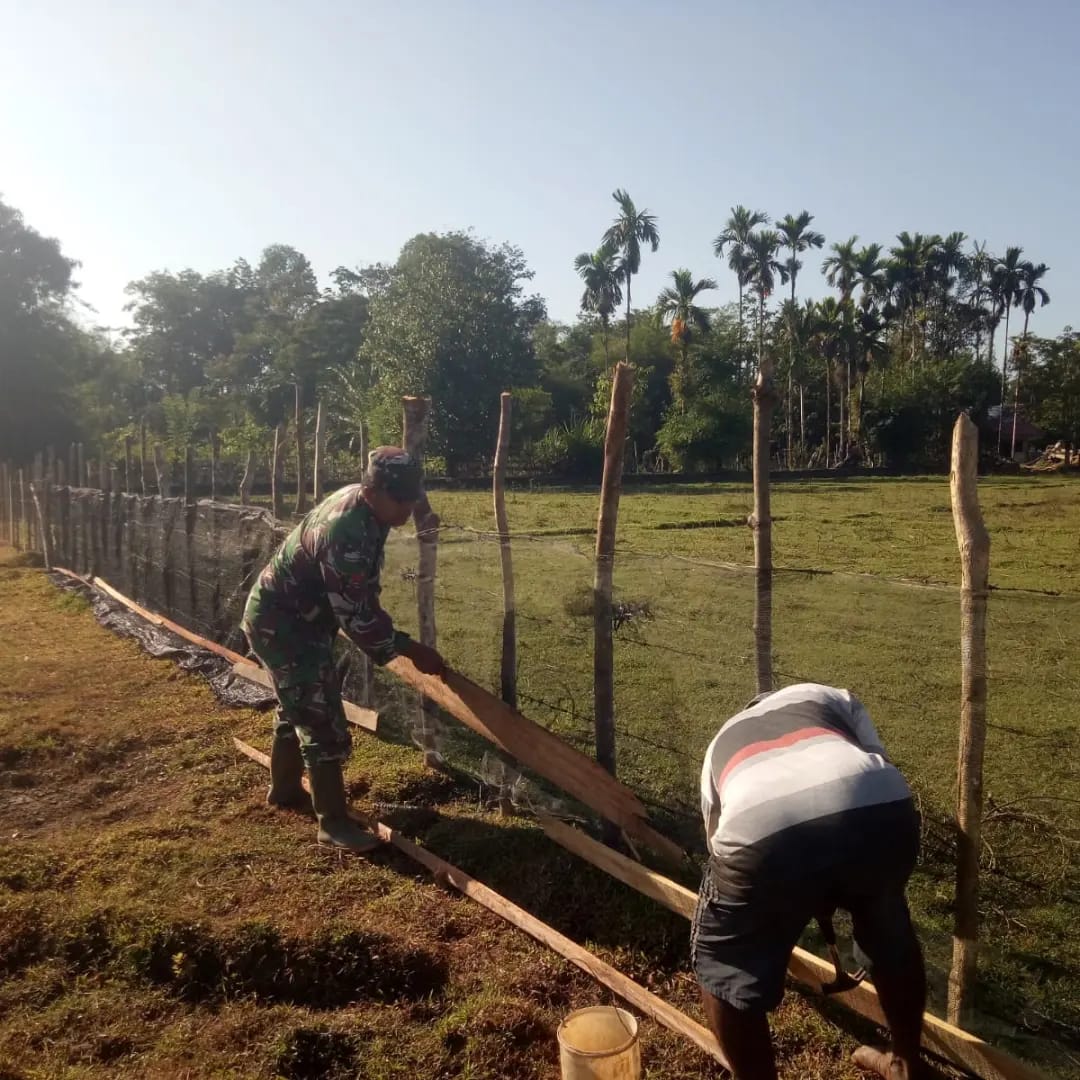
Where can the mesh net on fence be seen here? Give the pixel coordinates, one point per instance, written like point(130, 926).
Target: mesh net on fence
point(684, 662)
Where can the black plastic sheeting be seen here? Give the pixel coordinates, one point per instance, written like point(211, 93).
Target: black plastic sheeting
point(228, 688)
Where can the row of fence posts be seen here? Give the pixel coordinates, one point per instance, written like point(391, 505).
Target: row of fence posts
point(23, 525)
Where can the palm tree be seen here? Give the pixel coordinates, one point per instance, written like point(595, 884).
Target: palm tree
point(1004, 287)
point(870, 349)
point(797, 236)
point(908, 278)
point(829, 332)
point(1029, 293)
point(870, 273)
point(946, 262)
point(677, 308)
point(735, 239)
point(841, 267)
point(762, 270)
point(603, 286)
point(630, 229)
point(978, 268)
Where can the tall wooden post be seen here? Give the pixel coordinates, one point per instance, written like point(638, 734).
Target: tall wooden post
point(22, 541)
point(974, 543)
point(9, 475)
point(508, 667)
point(317, 466)
point(414, 436)
point(367, 669)
point(142, 456)
point(248, 479)
point(4, 533)
point(603, 627)
point(277, 469)
point(189, 475)
point(128, 441)
point(80, 468)
point(363, 445)
point(72, 466)
point(301, 464)
point(215, 461)
point(764, 398)
point(161, 471)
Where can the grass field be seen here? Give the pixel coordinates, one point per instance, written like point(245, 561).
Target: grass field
point(884, 623)
point(157, 920)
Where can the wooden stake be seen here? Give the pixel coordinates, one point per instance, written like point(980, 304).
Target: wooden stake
point(317, 468)
point(73, 467)
point(248, 479)
point(21, 541)
point(448, 875)
point(941, 1038)
point(415, 412)
point(161, 472)
point(508, 669)
point(603, 626)
point(189, 475)
point(142, 456)
point(215, 461)
point(764, 398)
point(80, 472)
point(301, 464)
point(128, 441)
point(974, 543)
point(277, 471)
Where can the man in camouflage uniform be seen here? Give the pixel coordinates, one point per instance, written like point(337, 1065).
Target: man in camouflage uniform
point(324, 576)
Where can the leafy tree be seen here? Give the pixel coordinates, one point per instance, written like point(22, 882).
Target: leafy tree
point(602, 276)
point(630, 229)
point(566, 367)
point(1054, 386)
point(677, 308)
point(451, 322)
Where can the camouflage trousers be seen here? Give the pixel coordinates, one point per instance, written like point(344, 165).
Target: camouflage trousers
point(300, 661)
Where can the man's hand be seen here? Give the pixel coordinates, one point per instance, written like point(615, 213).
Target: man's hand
point(426, 659)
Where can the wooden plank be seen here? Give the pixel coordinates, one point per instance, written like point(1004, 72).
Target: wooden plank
point(955, 1045)
point(538, 749)
point(448, 875)
point(368, 719)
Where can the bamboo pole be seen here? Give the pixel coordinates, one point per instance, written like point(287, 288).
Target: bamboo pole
point(22, 541)
point(301, 464)
point(415, 412)
point(277, 469)
point(449, 876)
point(317, 467)
point(80, 472)
point(142, 455)
point(189, 475)
point(603, 629)
point(73, 477)
point(248, 479)
point(973, 541)
point(763, 393)
point(128, 441)
point(367, 668)
point(39, 494)
point(215, 461)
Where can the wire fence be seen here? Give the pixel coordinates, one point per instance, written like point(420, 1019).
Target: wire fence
point(684, 662)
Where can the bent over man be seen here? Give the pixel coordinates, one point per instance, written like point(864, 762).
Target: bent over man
point(804, 814)
point(324, 576)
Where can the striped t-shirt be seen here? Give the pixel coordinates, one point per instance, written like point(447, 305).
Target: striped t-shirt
point(804, 754)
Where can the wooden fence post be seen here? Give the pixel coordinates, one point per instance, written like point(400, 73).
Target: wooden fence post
point(161, 471)
point(142, 455)
point(414, 435)
point(764, 397)
point(80, 471)
point(215, 460)
point(508, 665)
point(9, 483)
point(277, 468)
point(301, 464)
point(974, 543)
point(367, 669)
point(22, 541)
point(128, 441)
point(603, 625)
point(72, 467)
point(189, 475)
point(317, 467)
point(247, 481)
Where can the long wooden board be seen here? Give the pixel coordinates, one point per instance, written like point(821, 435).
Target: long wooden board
point(540, 750)
point(367, 719)
point(447, 874)
point(955, 1045)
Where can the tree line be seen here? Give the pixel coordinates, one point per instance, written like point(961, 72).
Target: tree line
point(916, 332)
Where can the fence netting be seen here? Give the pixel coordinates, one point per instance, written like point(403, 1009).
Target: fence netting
point(684, 663)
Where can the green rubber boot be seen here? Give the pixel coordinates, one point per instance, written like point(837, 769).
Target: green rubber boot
point(286, 772)
point(328, 798)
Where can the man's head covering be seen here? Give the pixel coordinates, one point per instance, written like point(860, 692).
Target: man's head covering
point(396, 472)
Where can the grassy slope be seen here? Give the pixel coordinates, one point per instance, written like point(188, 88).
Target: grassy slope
point(157, 920)
point(679, 674)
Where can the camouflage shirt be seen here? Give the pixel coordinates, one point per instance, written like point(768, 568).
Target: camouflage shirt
point(326, 573)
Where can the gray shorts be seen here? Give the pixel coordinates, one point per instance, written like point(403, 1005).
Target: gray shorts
point(748, 921)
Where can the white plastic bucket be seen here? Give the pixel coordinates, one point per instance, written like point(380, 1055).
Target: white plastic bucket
point(599, 1043)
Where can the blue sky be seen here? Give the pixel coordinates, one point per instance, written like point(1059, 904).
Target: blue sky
point(150, 136)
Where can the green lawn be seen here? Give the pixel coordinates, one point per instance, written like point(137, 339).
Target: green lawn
point(870, 625)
